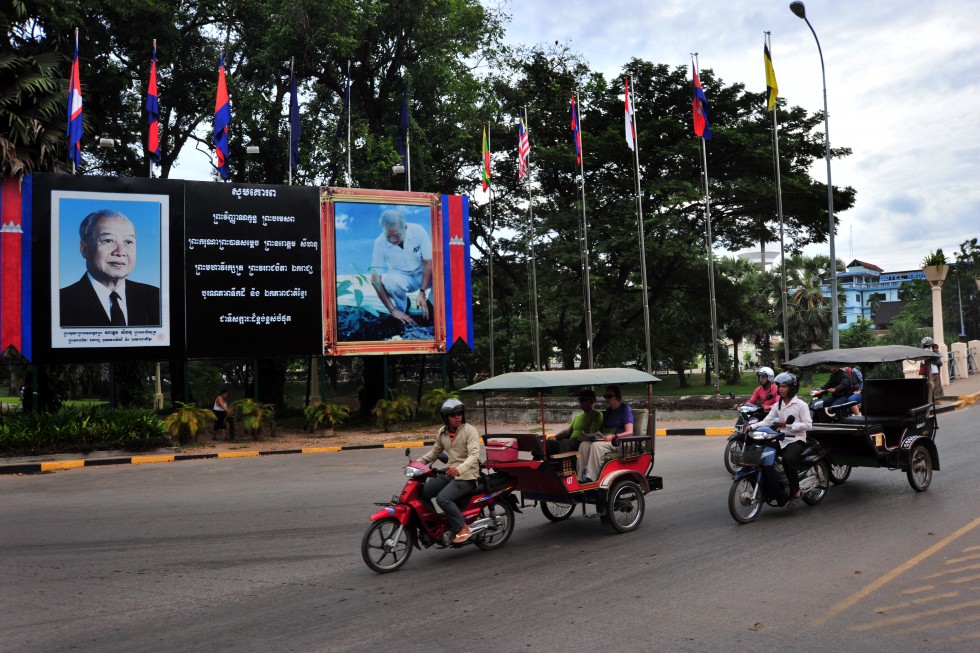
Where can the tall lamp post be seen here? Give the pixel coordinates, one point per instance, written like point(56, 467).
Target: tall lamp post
point(799, 9)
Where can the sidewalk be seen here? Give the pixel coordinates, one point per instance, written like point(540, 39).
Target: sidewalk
point(959, 393)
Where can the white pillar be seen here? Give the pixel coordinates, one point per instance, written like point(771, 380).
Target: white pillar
point(959, 358)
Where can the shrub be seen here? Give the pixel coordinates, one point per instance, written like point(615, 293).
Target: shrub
point(325, 416)
point(392, 411)
point(187, 421)
point(433, 399)
point(250, 414)
point(81, 430)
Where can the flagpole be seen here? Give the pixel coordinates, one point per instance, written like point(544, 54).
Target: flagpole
point(289, 145)
point(490, 253)
point(639, 227)
point(408, 151)
point(536, 327)
point(585, 243)
point(779, 210)
point(711, 260)
point(350, 177)
point(69, 100)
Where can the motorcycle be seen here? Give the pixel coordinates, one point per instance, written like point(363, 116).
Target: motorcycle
point(409, 521)
point(748, 414)
point(762, 478)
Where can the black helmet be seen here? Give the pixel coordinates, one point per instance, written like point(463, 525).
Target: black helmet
point(790, 380)
point(452, 407)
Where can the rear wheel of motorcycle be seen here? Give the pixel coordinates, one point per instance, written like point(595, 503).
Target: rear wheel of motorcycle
point(557, 511)
point(839, 473)
point(496, 536)
point(381, 551)
point(733, 452)
point(626, 507)
point(819, 475)
point(920, 468)
point(741, 504)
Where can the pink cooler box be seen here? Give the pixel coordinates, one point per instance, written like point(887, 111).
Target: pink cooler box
point(501, 450)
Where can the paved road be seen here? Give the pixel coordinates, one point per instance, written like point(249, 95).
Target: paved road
point(263, 554)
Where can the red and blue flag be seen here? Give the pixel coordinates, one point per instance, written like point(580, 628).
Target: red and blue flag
point(700, 107)
point(15, 265)
point(457, 289)
point(222, 118)
point(576, 131)
point(75, 111)
point(153, 111)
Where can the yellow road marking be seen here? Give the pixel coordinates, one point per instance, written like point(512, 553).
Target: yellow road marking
point(320, 450)
point(950, 572)
point(403, 445)
point(891, 621)
point(727, 430)
point(918, 590)
point(956, 561)
point(140, 460)
point(924, 599)
point(936, 625)
point(239, 454)
point(894, 573)
point(965, 580)
point(61, 464)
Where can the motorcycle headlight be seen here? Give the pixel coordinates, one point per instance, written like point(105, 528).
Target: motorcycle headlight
point(412, 472)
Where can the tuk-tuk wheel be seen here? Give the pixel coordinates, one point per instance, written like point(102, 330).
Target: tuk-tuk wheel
point(839, 473)
point(920, 468)
point(626, 506)
point(557, 511)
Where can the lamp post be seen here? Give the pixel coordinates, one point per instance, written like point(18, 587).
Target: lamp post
point(251, 151)
point(799, 9)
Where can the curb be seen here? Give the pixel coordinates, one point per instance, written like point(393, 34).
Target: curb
point(56, 465)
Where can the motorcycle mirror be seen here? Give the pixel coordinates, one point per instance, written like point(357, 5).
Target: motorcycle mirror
point(443, 458)
point(790, 419)
point(408, 452)
point(731, 395)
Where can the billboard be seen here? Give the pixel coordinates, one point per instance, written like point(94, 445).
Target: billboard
point(252, 270)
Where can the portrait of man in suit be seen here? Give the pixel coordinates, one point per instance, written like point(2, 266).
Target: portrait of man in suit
point(103, 297)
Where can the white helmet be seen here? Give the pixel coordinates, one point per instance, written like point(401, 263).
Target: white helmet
point(927, 342)
point(766, 372)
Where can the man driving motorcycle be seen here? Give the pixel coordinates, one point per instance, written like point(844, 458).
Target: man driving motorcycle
point(461, 442)
point(794, 430)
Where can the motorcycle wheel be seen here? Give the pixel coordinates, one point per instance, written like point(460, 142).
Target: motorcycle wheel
point(496, 537)
point(819, 477)
point(626, 506)
point(741, 505)
point(839, 473)
point(557, 511)
point(920, 468)
point(382, 553)
point(733, 452)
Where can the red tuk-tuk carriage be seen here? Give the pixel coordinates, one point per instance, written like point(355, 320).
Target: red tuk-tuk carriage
point(550, 479)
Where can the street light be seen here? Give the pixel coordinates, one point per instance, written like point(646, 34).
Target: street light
point(251, 151)
point(799, 9)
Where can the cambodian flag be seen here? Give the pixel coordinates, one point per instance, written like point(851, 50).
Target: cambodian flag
point(457, 282)
point(75, 111)
point(222, 118)
point(15, 265)
point(700, 108)
point(153, 111)
point(576, 131)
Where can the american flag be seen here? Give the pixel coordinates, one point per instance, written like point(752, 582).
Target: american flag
point(523, 149)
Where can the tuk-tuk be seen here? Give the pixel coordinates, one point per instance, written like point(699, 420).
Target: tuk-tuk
point(897, 425)
point(550, 479)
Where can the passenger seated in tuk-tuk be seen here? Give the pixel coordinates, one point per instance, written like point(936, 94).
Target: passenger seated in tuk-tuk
point(617, 420)
point(794, 431)
point(588, 421)
point(846, 384)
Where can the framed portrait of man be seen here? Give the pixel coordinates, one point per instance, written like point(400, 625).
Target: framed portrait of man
point(382, 267)
point(110, 269)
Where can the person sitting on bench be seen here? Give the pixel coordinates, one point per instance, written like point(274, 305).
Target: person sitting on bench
point(588, 421)
point(617, 420)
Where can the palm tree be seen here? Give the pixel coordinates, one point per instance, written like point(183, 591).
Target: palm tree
point(808, 308)
point(32, 101)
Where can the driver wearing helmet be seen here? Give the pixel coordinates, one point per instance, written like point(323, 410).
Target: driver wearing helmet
point(789, 405)
point(765, 395)
point(461, 442)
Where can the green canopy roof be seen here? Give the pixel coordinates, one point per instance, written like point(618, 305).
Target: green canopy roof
point(541, 381)
point(861, 355)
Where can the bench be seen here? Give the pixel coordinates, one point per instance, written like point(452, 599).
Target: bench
point(630, 447)
point(893, 405)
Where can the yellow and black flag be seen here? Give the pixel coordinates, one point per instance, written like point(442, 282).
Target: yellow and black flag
point(772, 89)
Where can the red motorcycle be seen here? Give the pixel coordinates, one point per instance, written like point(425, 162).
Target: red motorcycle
point(408, 521)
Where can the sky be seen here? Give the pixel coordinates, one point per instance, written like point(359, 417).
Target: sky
point(903, 91)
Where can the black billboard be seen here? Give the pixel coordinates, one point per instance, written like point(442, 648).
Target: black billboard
point(252, 270)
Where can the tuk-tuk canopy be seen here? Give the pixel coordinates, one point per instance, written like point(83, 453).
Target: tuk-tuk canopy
point(862, 356)
point(544, 381)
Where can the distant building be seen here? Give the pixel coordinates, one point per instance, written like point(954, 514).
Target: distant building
point(864, 284)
